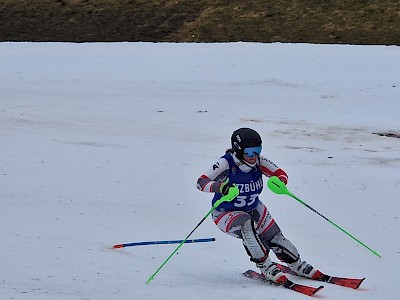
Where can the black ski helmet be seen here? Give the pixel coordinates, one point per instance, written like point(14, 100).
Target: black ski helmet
point(244, 138)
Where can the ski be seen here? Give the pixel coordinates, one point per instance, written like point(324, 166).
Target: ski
point(304, 289)
point(353, 283)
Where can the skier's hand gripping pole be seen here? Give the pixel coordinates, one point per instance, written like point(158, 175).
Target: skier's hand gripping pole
point(233, 192)
point(278, 187)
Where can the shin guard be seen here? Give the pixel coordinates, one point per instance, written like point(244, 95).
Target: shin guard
point(254, 247)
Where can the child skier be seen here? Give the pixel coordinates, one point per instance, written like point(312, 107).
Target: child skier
point(247, 217)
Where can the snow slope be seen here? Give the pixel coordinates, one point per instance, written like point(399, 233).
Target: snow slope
point(103, 143)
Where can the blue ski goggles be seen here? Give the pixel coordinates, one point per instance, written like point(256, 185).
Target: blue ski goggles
point(250, 152)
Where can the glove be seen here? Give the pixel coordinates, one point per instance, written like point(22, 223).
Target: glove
point(225, 186)
point(281, 175)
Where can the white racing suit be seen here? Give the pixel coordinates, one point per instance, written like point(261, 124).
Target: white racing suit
point(230, 217)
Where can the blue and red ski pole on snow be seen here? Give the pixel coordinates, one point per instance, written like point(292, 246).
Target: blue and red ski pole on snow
point(117, 246)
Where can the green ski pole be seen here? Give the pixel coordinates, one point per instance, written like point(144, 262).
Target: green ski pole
point(278, 187)
point(233, 193)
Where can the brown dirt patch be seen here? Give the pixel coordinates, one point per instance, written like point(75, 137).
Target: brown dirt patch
point(350, 22)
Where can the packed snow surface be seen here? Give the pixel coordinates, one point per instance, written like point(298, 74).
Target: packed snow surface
point(103, 143)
